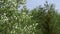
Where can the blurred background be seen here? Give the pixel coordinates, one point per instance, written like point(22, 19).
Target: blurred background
point(29, 17)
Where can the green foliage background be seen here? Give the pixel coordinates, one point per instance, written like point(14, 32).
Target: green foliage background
point(41, 20)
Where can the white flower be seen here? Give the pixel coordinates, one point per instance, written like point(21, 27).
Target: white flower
point(36, 24)
point(24, 13)
point(30, 26)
